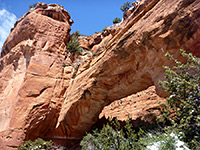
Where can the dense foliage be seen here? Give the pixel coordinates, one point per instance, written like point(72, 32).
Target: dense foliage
point(183, 104)
point(116, 20)
point(125, 6)
point(75, 35)
point(111, 137)
point(38, 144)
point(73, 44)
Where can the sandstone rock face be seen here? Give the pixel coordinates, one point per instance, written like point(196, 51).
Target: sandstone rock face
point(131, 62)
point(101, 46)
point(93, 40)
point(41, 98)
point(84, 43)
point(131, 9)
point(32, 79)
point(142, 107)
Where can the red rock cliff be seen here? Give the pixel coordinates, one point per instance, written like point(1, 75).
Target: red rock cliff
point(40, 98)
point(32, 79)
point(131, 61)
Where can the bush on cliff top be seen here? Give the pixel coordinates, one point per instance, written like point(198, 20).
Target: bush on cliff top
point(116, 20)
point(33, 5)
point(75, 35)
point(125, 6)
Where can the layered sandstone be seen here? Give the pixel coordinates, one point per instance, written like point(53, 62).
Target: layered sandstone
point(142, 107)
point(41, 97)
point(131, 61)
point(32, 79)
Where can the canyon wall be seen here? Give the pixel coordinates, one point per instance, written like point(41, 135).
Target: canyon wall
point(131, 61)
point(32, 79)
point(42, 97)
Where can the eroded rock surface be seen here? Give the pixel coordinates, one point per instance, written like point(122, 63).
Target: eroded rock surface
point(132, 61)
point(142, 107)
point(39, 97)
point(32, 79)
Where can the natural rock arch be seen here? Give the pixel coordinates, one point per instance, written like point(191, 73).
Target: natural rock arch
point(131, 63)
point(47, 102)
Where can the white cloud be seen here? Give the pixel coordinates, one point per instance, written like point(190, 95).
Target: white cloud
point(7, 20)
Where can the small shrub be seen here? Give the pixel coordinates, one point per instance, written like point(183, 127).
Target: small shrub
point(73, 44)
point(125, 6)
point(183, 104)
point(38, 144)
point(73, 47)
point(116, 20)
point(77, 66)
point(64, 65)
point(75, 35)
point(104, 29)
point(33, 5)
point(96, 32)
point(94, 54)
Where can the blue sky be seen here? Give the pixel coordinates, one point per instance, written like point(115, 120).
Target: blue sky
point(88, 15)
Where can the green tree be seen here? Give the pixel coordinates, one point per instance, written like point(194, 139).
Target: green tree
point(38, 144)
point(111, 137)
point(116, 20)
point(162, 139)
point(73, 44)
point(75, 35)
point(183, 104)
point(125, 6)
point(33, 5)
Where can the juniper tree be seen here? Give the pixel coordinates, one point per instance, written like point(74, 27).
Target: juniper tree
point(125, 6)
point(116, 20)
point(183, 104)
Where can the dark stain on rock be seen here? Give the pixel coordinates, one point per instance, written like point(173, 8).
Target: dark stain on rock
point(154, 31)
point(145, 37)
point(185, 27)
point(168, 22)
point(158, 19)
point(182, 25)
point(1, 65)
point(121, 53)
point(185, 3)
point(123, 41)
point(170, 42)
point(192, 29)
point(86, 92)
